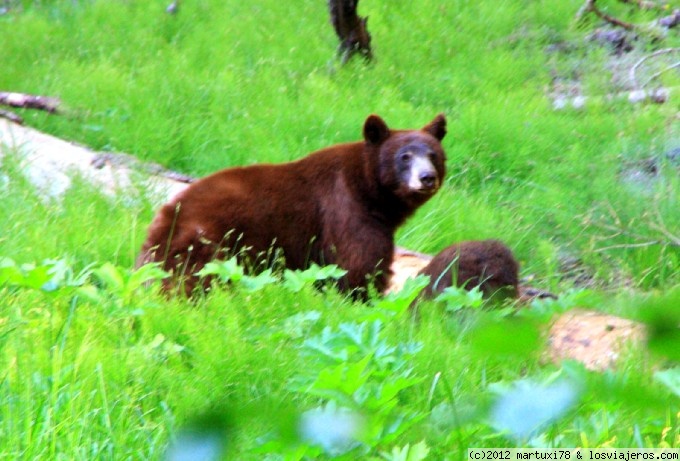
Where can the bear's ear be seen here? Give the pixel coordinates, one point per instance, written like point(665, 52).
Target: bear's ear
point(437, 127)
point(375, 130)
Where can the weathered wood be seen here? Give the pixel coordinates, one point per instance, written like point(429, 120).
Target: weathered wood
point(29, 101)
point(120, 160)
point(11, 116)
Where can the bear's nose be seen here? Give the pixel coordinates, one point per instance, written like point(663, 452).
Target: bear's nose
point(428, 179)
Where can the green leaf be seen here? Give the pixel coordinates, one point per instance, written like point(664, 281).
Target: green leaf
point(256, 283)
point(391, 388)
point(331, 271)
point(346, 378)
point(294, 281)
point(297, 280)
point(296, 325)
point(91, 293)
point(417, 452)
point(226, 271)
point(146, 273)
point(670, 378)
point(396, 304)
point(456, 298)
point(111, 276)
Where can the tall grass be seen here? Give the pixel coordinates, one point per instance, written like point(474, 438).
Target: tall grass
point(219, 86)
point(234, 83)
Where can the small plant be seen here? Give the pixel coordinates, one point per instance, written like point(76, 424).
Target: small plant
point(50, 276)
point(229, 271)
point(396, 304)
point(456, 298)
point(408, 452)
point(359, 377)
point(118, 287)
point(295, 281)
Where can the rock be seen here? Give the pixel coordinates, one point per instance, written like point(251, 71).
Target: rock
point(597, 340)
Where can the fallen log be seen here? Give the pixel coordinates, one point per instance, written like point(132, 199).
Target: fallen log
point(656, 96)
point(29, 101)
point(50, 163)
point(11, 116)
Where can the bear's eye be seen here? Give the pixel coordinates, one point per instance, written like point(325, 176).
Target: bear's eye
point(432, 156)
point(405, 157)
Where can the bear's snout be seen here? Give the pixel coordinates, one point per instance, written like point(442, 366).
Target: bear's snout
point(422, 176)
point(428, 180)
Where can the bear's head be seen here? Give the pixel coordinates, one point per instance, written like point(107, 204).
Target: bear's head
point(409, 164)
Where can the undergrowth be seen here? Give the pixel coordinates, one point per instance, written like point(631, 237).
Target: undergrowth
point(98, 366)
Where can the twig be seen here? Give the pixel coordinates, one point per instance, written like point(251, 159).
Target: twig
point(11, 116)
point(589, 7)
point(623, 230)
point(661, 227)
point(635, 67)
point(626, 245)
point(657, 74)
point(29, 101)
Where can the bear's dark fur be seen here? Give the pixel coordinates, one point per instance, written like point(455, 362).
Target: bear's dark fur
point(340, 205)
point(488, 264)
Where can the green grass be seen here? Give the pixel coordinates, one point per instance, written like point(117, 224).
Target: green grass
point(233, 83)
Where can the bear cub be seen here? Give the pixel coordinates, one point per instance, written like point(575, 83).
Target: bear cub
point(340, 205)
point(488, 264)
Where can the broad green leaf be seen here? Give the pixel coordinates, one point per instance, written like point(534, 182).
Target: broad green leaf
point(417, 452)
point(456, 298)
point(146, 273)
point(256, 283)
point(226, 271)
point(670, 378)
point(111, 276)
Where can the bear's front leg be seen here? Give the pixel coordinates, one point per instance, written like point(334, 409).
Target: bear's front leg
point(367, 259)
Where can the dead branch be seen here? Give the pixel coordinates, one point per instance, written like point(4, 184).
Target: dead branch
point(660, 226)
point(634, 68)
point(351, 29)
point(590, 7)
point(658, 74)
point(626, 246)
point(11, 116)
point(620, 229)
point(656, 96)
point(29, 101)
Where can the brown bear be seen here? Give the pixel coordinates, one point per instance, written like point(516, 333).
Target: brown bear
point(340, 205)
point(488, 264)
